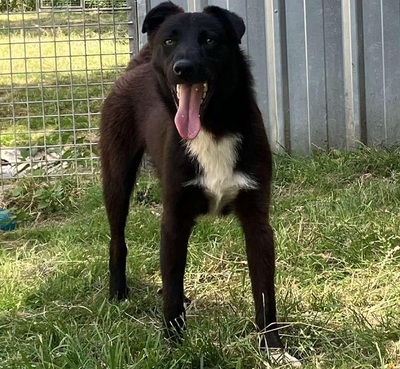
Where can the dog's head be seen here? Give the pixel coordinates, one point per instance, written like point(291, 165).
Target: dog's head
point(190, 51)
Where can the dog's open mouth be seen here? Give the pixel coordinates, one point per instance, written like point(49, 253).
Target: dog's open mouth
point(204, 87)
point(190, 99)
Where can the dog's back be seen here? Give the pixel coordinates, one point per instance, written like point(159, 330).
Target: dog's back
point(143, 57)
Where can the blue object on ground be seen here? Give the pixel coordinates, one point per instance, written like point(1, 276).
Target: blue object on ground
point(6, 221)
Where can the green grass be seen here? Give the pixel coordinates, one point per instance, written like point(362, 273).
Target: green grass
point(337, 228)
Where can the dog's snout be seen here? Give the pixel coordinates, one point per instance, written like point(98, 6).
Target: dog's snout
point(183, 68)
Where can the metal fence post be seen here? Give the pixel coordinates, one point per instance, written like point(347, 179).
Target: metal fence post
point(354, 81)
point(133, 27)
point(279, 120)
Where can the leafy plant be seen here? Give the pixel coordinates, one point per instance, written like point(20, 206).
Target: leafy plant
point(32, 198)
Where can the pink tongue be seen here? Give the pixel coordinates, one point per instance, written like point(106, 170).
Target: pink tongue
point(187, 118)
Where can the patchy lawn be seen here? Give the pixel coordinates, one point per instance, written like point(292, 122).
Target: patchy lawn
point(337, 227)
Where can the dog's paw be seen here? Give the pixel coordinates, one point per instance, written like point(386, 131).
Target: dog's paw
point(120, 294)
point(281, 357)
point(174, 329)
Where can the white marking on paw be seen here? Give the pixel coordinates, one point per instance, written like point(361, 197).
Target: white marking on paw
point(281, 357)
point(217, 159)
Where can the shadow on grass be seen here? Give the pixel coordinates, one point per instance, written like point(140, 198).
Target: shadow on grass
point(87, 286)
point(58, 111)
point(55, 93)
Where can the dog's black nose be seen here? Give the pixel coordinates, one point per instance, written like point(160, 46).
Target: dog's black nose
point(183, 68)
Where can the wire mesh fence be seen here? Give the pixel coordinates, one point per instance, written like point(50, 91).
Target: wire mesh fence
point(57, 63)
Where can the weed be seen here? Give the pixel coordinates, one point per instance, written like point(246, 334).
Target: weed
point(33, 198)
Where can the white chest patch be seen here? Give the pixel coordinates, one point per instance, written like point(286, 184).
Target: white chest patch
point(217, 161)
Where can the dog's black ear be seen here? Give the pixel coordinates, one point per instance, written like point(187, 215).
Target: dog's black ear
point(231, 21)
point(159, 14)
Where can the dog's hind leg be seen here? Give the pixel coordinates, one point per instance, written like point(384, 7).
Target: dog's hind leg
point(117, 187)
point(121, 154)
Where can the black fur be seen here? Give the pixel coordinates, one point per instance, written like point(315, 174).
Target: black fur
point(138, 116)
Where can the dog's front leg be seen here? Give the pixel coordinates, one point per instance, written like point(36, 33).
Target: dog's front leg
point(175, 232)
point(253, 215)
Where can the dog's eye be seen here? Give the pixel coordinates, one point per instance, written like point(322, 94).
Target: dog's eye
point(210, 41)
point(169, 42)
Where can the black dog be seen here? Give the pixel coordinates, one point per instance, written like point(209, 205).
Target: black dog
point(188, 100)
